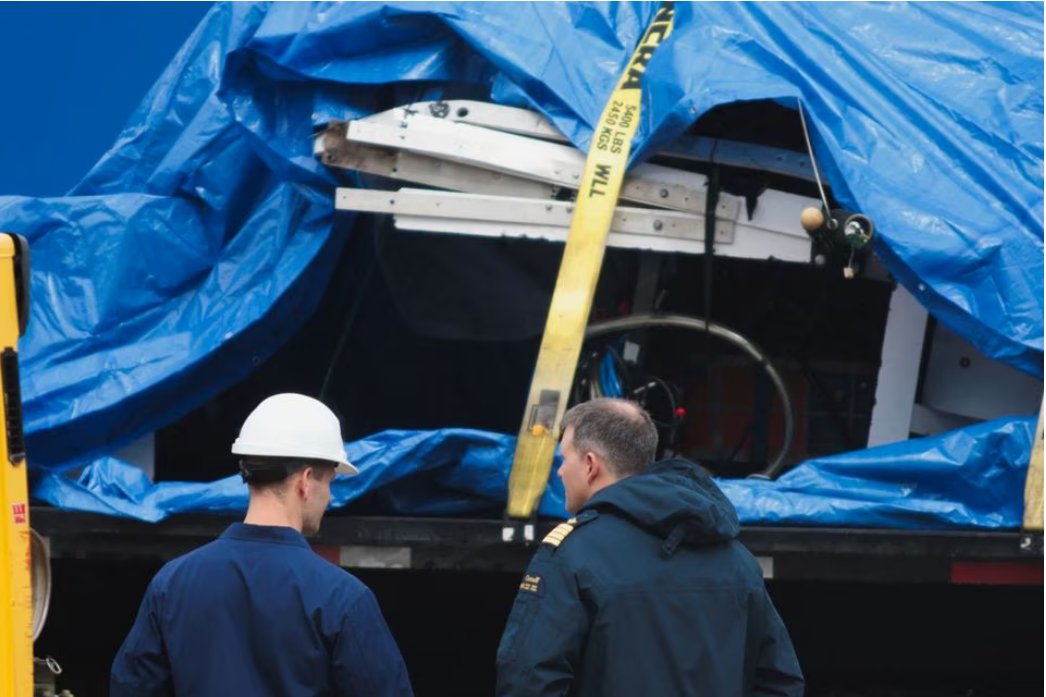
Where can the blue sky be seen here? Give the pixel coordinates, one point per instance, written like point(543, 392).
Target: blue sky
point(71, 73)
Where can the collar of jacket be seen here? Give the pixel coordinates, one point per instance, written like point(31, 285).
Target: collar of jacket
point(265, 533)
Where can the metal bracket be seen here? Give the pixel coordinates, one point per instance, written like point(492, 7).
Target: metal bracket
point(528, 158)
point(336, 151)
point(765, 236)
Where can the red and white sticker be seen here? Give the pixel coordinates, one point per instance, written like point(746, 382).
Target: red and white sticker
point(20, 513)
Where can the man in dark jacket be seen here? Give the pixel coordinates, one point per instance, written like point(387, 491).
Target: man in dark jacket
point(645, 591)
point(257, 612)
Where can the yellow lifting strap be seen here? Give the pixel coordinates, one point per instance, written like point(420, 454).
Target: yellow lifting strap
point(1033, 484)
point(578, 274)
point(16, 595)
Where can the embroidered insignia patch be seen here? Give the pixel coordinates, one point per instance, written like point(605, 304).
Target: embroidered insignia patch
point(532, 584)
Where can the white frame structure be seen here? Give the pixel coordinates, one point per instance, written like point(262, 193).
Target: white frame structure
point(501, 169)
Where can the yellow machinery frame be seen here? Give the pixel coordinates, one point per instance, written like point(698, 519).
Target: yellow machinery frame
point(16, 595)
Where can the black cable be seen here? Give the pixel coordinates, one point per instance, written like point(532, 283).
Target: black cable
point(672, 424)
point(642, 322)
point(673, 405)
point(622, 373)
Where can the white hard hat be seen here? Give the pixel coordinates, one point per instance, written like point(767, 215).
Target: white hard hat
point(293, 425)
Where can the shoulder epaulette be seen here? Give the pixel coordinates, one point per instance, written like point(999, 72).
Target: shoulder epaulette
point(560, 532)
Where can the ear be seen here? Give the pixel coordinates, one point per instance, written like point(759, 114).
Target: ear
point(304, 484)
point(593, 467)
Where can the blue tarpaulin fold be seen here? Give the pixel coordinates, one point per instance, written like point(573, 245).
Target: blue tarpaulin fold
point(203, 238)
point(963, 479)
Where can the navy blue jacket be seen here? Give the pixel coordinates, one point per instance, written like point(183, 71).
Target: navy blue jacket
point(257, 612)
point(647, 593)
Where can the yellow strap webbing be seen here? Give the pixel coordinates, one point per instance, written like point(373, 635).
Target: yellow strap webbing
point(1033, 483)
point(578, 275)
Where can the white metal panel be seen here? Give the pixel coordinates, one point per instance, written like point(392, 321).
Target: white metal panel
point(962, 380)
point(751, 242)
point(780, 212)
point(548, 162)
point(899, 374)
point(774, 232)
point(451, 175)
point(929, 422)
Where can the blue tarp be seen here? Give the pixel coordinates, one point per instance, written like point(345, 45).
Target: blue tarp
point(445, 472)
point(203, 238)
point(969, 478)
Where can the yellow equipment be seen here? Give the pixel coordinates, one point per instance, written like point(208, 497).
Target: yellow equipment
point(578, 274)
point(1033, 484)
point(16, 597)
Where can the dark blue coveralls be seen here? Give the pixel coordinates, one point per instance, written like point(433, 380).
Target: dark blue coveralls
point(647, 593)
point(257, 612)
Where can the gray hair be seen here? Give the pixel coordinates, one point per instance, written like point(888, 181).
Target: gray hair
point(619, 430)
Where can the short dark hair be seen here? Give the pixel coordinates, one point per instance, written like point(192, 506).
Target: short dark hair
point(619, 430)
point(272, 472)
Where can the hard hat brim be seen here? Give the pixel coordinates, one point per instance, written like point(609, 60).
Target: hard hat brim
point(345, 468)
point(246, 448)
